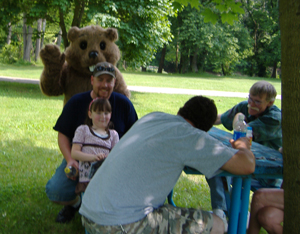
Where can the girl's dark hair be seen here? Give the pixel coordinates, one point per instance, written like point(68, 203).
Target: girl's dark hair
point(99, 104)
point(201, 111)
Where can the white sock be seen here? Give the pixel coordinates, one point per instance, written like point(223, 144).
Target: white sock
point(77, 204)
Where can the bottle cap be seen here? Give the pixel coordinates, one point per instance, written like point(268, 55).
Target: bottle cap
point(67, 170)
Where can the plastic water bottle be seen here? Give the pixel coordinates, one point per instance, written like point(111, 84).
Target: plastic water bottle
point(239, 128)
point(249, 134)
point(71, 171)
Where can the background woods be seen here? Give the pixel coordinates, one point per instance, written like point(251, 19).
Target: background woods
point(182, 36)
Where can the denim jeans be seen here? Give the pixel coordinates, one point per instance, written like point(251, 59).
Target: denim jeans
point(60, 188)
point(217, 195)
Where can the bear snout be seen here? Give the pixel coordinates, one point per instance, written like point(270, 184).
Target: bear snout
point(93, 54)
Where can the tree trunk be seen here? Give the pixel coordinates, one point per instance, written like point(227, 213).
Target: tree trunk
point(162, 59)
point(63, 28)
point(176, 61)
point(8, 40)
point(194, 61)
point(38, 40)
point(24, 36)
point(290, 65)
point(78, 12)
point(59, 38)
point(223, 70)
point(144, 69)
point(201, 60)
point(28, 44)
point(43, 33)
point(184, 63)
point(274, 72)
point(27, 39)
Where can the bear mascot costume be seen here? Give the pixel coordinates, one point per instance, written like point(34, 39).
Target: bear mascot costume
point(70, 72)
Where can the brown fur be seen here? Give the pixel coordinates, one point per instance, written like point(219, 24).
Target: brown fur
point(68, 73)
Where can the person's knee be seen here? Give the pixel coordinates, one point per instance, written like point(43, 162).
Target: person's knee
point(62, 190)
point(259, 197)
point(269, 217)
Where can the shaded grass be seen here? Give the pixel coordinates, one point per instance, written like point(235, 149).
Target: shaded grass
point(29, 156)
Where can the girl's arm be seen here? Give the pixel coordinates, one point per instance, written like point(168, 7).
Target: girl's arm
point(115, 138)
point(77, 154)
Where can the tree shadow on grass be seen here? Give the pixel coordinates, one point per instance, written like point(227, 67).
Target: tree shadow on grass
point(15, 89)
point(24, 206)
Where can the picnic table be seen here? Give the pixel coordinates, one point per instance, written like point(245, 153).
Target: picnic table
point(269, 164)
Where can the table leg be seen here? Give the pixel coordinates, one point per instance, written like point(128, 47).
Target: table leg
point(235, 205)
point(244, 206)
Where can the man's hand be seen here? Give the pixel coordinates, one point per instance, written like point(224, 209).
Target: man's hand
point(75, 164)
point(241, 143)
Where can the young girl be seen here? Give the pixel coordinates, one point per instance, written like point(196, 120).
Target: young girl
point(92, 142)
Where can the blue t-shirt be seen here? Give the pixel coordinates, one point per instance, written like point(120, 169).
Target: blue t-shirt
point(75, 111)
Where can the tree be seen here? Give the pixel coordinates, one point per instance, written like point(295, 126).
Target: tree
point(290, 67)
point(27, 39)
point(143, 25)
point(162, 59)
point(38, 39)
point(261, 18)
point(219, 46)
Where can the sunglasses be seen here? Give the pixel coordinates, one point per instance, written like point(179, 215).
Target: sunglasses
point(101, 68)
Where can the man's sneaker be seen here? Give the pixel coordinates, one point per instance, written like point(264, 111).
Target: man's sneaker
point(66, 214)
point(221, 214)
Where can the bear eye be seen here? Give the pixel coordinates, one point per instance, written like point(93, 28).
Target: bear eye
point(83, 45)
point(102, 45)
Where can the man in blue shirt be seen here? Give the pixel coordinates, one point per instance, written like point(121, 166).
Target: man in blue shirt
point(61, 189)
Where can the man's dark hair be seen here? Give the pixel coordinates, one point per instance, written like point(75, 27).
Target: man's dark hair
point(201, 111)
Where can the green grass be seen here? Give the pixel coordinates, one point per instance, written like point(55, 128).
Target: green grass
point(202, 81)
point(29, 153)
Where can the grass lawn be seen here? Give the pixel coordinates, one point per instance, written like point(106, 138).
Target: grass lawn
point(202, 81)
point(29, 153)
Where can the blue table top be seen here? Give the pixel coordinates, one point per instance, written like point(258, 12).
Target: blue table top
point(269, 162)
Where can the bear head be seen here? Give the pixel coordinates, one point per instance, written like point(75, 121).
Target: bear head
point(91, 45)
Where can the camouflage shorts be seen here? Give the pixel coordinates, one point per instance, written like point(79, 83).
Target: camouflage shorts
point(164, 220)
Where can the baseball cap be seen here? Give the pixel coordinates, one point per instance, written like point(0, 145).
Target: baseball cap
point(104, 68)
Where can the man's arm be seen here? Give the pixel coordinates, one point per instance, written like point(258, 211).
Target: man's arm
point(243, 161)
point(218, 120)
point(65, 148)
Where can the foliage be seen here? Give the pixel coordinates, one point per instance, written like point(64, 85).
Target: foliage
point(219, 46)
point(228, 10)
point(261, 19)
point(144, 28)
point(11, 53)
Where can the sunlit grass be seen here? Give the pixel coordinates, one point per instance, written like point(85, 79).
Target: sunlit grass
point(199, 81)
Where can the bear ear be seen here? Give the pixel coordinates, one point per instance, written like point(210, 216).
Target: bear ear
point(73, 33)
point(112, 34)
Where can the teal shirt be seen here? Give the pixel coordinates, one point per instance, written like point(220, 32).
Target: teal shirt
point(266, 128)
